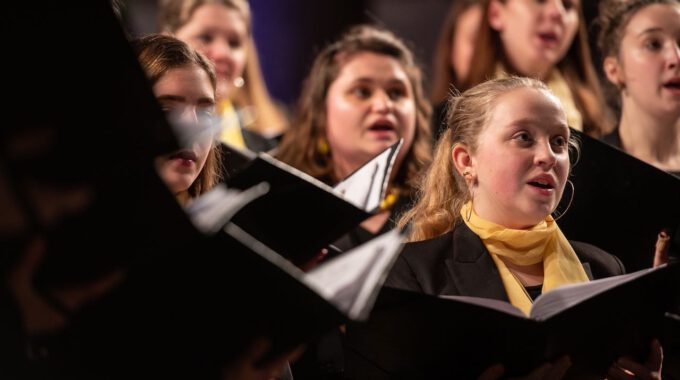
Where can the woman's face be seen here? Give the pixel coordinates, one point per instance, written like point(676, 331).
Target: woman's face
point(522, 159)
point(369, 106)
point(186, 93)
point(648, 64)
point(221, 33)
point(536, 34)
point(463, 43)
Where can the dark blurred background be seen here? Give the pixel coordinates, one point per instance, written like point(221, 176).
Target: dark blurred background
point(288, 33)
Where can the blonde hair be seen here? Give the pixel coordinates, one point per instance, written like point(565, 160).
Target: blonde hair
point(443, 191)
point(269, 119)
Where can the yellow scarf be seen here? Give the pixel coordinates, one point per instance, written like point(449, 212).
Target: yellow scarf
point(556, 83)
point(231, 127)
point(543, 242)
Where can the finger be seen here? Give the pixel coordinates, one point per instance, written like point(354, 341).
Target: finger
point(617, 373)
point(537, 374)
point(655, 358)
point(639, 370)
point(492, 373)
point(559, 368)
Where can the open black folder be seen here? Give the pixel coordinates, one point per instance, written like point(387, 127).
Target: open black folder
point(301, 215)
point(620, 203)
point(413, 335)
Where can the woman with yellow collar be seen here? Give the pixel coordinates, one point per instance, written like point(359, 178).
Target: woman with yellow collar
point(482, 226)
point(546, 40)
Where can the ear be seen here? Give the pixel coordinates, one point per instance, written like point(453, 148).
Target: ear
point(462, 160)
point(613, 71)
point(495, 16)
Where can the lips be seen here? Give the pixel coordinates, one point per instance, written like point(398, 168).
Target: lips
point(544, 181)
point(673, 84)
point(549, 38)
point(382, 125)
point(185, 155)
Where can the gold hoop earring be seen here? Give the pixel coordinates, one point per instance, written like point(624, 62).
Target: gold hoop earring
point(468, 213)
point(558, 215)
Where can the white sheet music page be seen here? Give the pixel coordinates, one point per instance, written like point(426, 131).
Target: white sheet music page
point(366, 187)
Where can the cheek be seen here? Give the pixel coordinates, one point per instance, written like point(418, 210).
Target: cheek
point(239, 62)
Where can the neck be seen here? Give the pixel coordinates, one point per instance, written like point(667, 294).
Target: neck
point(183, 197)
point(528, 275)
point(529, 70)
point(654, 139)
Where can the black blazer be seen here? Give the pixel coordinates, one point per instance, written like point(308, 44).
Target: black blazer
point(457, 263)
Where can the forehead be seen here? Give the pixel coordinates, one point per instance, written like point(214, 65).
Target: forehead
point(528, 107)
point(190, 79)
point(369, 65)
point(663, 16)
point(218, 16)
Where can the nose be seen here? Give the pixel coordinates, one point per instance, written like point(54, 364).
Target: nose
point(555, 9)
point(189, 116)
point(674, 56)
point(544, 156)
point(382, 102)
point(220, 50)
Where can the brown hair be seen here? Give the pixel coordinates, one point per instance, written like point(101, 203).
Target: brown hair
point(174, 14)
point(444, 74)
point(443, 191)
point(576, 67)
point(159, 54)
point(300, 146)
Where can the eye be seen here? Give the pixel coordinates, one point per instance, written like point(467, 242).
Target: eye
point(206, 112)
point(523, 137)
point(205, 38)
point(396, 93)
point(362, 92)
point(569, 4)
point(559, 142)
point(653, 44)
point(235, 42)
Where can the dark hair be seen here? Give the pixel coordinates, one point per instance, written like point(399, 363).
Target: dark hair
point(444, 74)
point(576, 67)
point(299, 146)
point(158, 54)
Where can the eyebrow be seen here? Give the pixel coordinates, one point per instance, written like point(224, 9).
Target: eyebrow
point(370, 79)
point(177, 98)
point(651, 30)
point(536, 121)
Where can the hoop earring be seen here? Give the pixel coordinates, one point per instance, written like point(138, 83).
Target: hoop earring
point(559, 215)
point(468, 213)
point(467, 175)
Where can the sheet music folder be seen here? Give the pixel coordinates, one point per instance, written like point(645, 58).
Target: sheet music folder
point(413, 335)
point(301, 215)
point(620, 204)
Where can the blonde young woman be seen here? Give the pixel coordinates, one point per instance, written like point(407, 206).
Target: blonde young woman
point(222, 31)
point(482, 225)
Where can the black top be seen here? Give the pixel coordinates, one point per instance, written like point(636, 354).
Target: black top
point(458, 263)
point(324, 358)
point(614, 139)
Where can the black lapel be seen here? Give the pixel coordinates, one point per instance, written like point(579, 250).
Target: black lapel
point(472, 268)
